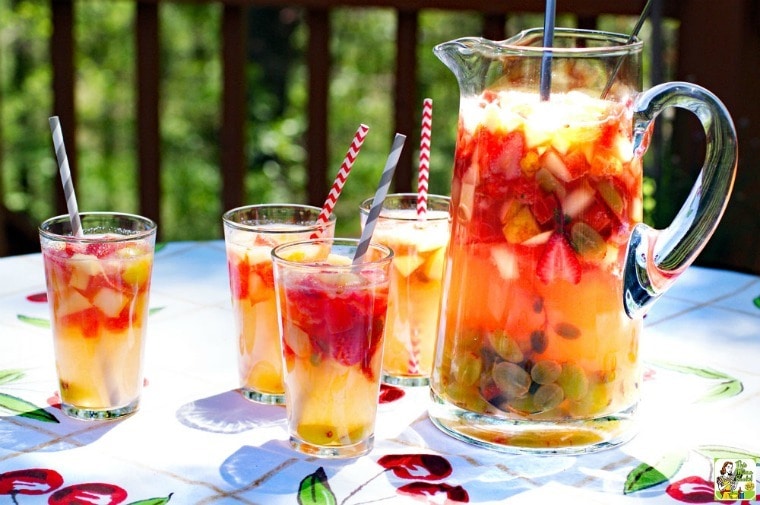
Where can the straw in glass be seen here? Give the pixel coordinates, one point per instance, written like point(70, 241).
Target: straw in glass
point(342, 176)
point(634, 32)
point(424, 167)
point(66, 180)
point(379, 198)
point(546, 59)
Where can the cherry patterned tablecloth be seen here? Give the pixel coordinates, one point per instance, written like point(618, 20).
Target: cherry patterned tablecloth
point(195, 440)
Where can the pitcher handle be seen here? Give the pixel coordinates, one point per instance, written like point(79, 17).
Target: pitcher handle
point(655, 258)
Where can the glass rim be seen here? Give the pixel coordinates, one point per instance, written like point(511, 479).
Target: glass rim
point(150, 227)
point(386, 251)
point(617, 44)
point(227, 218)
point(364, 207)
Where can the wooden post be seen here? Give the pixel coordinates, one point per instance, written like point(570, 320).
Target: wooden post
point(148, 132)
point(318, 56)
point(233, 138)
point(719, 48)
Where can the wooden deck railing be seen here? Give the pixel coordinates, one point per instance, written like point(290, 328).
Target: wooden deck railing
point(718, 48)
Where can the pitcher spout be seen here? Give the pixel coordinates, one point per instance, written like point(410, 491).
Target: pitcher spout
point(469, 58)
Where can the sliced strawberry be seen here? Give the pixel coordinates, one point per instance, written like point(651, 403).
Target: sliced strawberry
point(559, 261)
point(545, 207)
point(600, 218)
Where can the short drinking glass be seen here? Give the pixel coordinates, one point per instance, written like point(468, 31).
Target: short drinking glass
point(332, 316)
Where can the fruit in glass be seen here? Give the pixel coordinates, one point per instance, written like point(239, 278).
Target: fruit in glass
point(251, 233)
point(98, 287)
point(332, 317)
point(544, 197)
point(419, 247)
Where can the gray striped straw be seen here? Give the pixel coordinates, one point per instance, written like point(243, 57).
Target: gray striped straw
point(379, 198)
point(68, 183)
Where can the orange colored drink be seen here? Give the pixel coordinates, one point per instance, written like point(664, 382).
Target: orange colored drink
point(250, 235)
point(98, 287)
point(419, 248)
point(544, 198)
point(332, 320)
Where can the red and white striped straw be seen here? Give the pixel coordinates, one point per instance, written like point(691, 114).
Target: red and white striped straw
point(424, 172)
point(345, 170)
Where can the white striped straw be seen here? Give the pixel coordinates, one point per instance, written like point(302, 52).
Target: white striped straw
point(379, 198)
point(68, 183)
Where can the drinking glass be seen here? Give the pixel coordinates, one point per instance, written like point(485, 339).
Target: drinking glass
point(98, 284)
point(419, 247)
point(332, 315)
point(250, 233)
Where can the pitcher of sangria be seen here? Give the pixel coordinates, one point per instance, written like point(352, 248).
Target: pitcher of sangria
point(550, 269)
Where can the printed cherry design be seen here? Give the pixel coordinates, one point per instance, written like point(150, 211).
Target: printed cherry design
point(88, 493)
point(30, 481)
point(390, 394)
point(416, 466)
point(453, 493)
point(425, 468)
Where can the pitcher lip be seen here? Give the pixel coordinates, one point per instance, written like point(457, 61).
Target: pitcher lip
point(618, 43)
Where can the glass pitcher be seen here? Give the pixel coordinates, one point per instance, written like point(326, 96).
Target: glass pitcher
point(550, 269)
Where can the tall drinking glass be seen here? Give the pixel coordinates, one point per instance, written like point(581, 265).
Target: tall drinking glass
point(250, 233)
point(98, 286)
point(419, 247)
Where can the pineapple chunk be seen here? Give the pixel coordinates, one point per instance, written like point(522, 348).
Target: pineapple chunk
point(71, 302)
point(407, 264)
point(83, 267)
point(110, 302)
point(433, 267)
point(505, 262)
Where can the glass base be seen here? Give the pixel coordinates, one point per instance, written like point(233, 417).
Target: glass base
point(333, 451)
point(266, 398)
point(571, 436)
point(407, 381)
point(89, 414)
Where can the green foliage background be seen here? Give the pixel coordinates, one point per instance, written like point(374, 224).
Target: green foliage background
point(363, 52)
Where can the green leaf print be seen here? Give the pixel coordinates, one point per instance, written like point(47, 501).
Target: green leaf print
point(707, 373)
point(10, 375)
point(756, 301)
point(723, 390)
point(315, 490)
point(713, 452)
point(24, 408)
point(646, 475)
point(154, 501)
point(34, 321)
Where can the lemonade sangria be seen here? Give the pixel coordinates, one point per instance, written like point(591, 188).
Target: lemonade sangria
point(544, 197)
point(250, 235)
point(419, 247)
point(98, 286)
point(332, 321)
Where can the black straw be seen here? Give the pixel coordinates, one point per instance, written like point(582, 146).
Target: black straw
point(634, 32)
point(546, 60)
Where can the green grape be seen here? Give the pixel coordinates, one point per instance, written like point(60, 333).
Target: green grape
point(511, 379)
point(573, 381)
point(545, 371)
point(506, 347)
point(466, 369)
point(548, 396)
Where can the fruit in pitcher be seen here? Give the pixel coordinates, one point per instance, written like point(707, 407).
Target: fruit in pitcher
point(546, 194)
